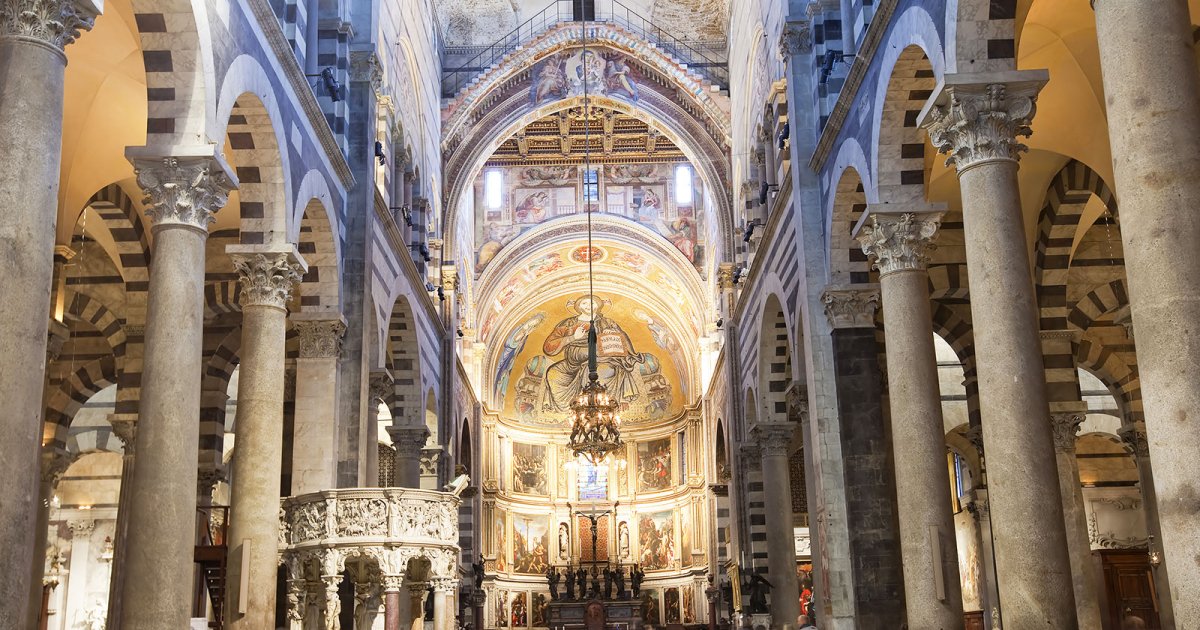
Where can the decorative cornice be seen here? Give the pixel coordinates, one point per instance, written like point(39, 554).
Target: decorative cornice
point(977, 118)
point(774, 438)
point(796, 39)
point(183, 190)
point(320, 338)
point(899, 242)
point(51, 23)
point(267, 279)
point(1065, 427)
point(851, 306)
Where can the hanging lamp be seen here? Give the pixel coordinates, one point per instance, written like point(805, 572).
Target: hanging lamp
point(595, 416)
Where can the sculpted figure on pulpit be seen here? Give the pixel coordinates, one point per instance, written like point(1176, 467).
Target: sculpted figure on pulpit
point(617, 360)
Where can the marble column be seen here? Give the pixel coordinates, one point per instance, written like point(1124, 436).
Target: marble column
point(77, 576)
point(267, 276)
point(898, 237)
point(866, 447)
point(54, 465)
point(1152, 94)
point(988, 590)
point(408, 440)
point(417, 592)
point(314, 443)
point(443, 599)
point(1134, 437)
point(125, 428)
point(774, 440)
point(183, 191)
point(297, 595)
point(391, 601)
point(33, 37)
point(381, 387)
point(977, 119)
point(1065, 425)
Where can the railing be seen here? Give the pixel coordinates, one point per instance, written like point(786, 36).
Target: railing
point(712, 64)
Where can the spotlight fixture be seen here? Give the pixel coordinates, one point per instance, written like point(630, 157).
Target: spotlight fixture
point(379, 153)
point(739, 274)
point(423, 250)
point(430, 288)
point(333, 89)
point(441, 294)
point(763, 189)
point(784, 134)
point(405, 212)
point(749, 231)
point(459, 332)
point(720, 322)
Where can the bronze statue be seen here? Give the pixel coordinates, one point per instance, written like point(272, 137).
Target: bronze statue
point(636, 575)
point(757, 586)
point(620, 576)
point(581, 582)
point(477, 567)
point(553, 577)
point(570, 585)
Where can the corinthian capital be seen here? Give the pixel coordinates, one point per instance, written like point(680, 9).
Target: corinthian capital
point(899, 241)
point(725, 276)
point(380, 385)
point(796, 38)
point(182, 190)
point(1065, 426)
point(1134, 437)
point(320, 336)
point(978, 117)
point(774, 438)
point(851, 306)
point(408, 439)
point(53, 23)
point(267, 277)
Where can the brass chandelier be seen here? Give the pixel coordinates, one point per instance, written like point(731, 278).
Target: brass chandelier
point(595, 417)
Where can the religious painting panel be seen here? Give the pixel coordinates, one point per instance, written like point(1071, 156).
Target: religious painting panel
point(501, 609)
point(520, 611)
point(529, 469)
point(538, 610)
point(656, 540)
point(593, 481)
point(689, 605)
point(651, 613)
point(566, 74)
point(542, 364)
point(500, 538)
point(685, 536)
point(671, 605)
point(654, 465)
point(530, 544)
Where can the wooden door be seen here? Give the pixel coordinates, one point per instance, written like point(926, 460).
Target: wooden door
point(1129, 585)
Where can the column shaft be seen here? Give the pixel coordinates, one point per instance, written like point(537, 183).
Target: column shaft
point(1083, 566)
point(1152, 93)
point(922, 477)
point(391, 610)
point(31, 125)
point(977, 119)
point(781, 540)
point(125, 428)
point(314, 441)
point(1134, 436)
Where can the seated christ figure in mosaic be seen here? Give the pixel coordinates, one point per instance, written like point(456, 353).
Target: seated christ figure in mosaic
point(616, 362)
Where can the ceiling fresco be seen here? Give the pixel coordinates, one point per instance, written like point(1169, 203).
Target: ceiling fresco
point(541, 363)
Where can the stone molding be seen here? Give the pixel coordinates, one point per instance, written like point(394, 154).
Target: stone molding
point(1065, 426)
point(851, 306)
point(977, 117)
point(320, 338)
point(408, 440)
point(796, 39)
point(52, 23)
point(774, 438)
point(899, 242)
point(267, 279)
point(1070, 335)
point(1134, 437)
point(183, 191)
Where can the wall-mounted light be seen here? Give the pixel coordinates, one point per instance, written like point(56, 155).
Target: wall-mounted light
point(405, 212)
point(740, 273)
point(379, 153)
point(749, 231)
point(784, 134)
point(333, 89)
point(1154, 554)
point(720, 322)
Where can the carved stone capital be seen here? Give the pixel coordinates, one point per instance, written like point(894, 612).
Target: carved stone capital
point(182, 190)
point(52, 23)
point(796, 38)
point(1065, 426)
point(851, 306)
point(380, 385)
point(365, 66)
point(974, 435)
point(408, 440)
point(430, 457)
point(124, 426)
point(207, 479)
point(319, 338)
point(1134, 437)
point(774, 438)
point(449, 278)
point(444, 585)
point(267, 278)
point(54, 465)
point(725, 276)
point(392, 583)
point(82, 528)
point(899, 241)
point(978, 117)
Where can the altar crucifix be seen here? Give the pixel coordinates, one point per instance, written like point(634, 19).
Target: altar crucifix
point(593, 516)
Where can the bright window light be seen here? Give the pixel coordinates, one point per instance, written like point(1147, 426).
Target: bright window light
point(493, 186)
point(683, 185)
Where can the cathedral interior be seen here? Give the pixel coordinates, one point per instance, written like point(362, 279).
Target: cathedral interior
point(586, 314)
